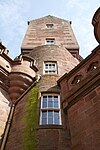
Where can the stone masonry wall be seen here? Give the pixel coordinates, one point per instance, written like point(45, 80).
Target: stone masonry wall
point(65, 62)
point(26, 133)
point(84, 121)
point(4, 110)
point(37, 32)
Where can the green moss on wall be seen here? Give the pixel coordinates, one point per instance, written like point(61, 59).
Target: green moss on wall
point(30, 120)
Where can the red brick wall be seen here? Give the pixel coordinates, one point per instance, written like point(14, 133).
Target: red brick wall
point(84, 122)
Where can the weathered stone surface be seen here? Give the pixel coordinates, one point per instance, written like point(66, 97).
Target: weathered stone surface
point(37, 33)
point(4, 109)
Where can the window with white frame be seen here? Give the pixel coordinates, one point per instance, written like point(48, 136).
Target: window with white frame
point(50, 41)
point(49, 25)
point(50, 113)
point(50, 68)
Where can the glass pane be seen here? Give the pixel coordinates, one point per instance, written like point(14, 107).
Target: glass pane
point(56, 105)
point(50, 72)
point(45, 98)
point(46, 72)
point(49, 98)
point(50, 102)
point(50, 113)
point(50, 117)
point(44, 121)
point(46, 66)
point(56, 102)
point(56, 121)
point(53, 72)
point(44, 105)
point(55, 98)
point(49, 25)
point(56, 117)
point(49, 66)
point(53, 66)
point(44, 114)
point(50, 120)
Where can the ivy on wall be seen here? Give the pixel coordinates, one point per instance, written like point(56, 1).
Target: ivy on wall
point(30, 120)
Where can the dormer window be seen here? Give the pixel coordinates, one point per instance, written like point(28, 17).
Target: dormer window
point(49, 26)
point(50, 41)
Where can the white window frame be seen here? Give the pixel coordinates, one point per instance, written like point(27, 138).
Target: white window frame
point(49, 25)
point(49, 41)
point(50, 109)
point(50, 68)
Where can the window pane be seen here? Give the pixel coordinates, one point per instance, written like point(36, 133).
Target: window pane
point(56, 102)
point(44, 98)
point(46, 66)
point(44, 117)
point(44, 102)
point(49, 98)
point(44, 105)
point(56, 105)
point(50, 117)
point(56, 121)
point(49, 25)
point(53, 66)
point(50, 120)
point(55, 98)
point(46, 72)
point(44, 121)
point(49, 66)
point(56, 117)
point(50, 102)
point(44, 114)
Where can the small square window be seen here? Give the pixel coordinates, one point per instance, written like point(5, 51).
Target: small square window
point(50, 41)
point(50, 68)
point(49, 25)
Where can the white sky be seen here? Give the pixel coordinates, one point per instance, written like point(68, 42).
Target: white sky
point(14, 15)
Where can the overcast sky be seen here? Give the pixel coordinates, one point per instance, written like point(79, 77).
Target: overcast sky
point(14, 15)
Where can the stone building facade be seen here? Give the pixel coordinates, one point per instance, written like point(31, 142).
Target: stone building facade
point(50, 96)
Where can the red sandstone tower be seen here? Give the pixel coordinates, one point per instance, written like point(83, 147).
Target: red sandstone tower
point(51, 43)
point(52, 102)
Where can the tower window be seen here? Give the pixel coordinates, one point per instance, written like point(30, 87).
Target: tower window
point(50, 68)
point(50, 110)
point(49, 26)
point(50, 41)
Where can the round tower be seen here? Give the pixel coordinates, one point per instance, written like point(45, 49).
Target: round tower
point(52, 61)
point(23, 73)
